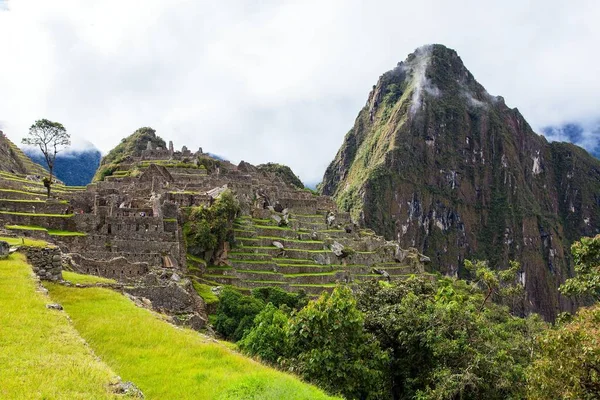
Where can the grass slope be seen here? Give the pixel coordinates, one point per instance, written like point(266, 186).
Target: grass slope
point(167, 362)
point(74, 277)
point(41, 355)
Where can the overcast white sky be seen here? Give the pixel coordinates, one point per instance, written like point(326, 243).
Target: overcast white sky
point(274, 80)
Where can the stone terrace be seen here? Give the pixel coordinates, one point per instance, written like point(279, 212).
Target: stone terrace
point(130, 223)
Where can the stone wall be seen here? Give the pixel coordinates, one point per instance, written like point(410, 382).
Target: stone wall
point(46, 262)
point(59, 222)
point(117, 268)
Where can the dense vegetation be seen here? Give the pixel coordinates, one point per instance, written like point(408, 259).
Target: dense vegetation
point(426, 338)
point(135, 142)
point(284, 172)
point(208, 228)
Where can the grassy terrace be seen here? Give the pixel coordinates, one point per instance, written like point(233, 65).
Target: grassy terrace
point(37, 215)
point(51, 232)
point(168, 362)
point(205, 292)
point(43, 356)
point(19, 192)
point(74, 277)
point(20, 241)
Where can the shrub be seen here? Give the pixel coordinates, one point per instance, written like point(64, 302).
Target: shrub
point(235, 314)
point(567, 365)
point(278, 297)
point(267, 339)
point(328, 345)
point(208, 227)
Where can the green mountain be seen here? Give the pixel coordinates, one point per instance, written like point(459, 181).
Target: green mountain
point(134, 143)
point(436, 162)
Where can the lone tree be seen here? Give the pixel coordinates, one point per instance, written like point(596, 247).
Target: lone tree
point(50, 137)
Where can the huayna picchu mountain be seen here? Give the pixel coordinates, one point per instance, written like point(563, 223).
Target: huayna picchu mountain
point(436, 162)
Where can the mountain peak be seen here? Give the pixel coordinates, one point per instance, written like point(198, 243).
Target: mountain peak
point(435, 162)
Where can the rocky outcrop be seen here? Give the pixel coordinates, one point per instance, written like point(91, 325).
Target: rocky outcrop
point(435, 162)
point(170, 294)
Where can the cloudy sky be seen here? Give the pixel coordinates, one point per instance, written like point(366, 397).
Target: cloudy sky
point(274, 80)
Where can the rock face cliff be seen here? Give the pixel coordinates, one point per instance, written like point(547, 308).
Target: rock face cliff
point(436, 162)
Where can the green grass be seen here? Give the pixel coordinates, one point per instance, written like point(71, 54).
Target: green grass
point(195, 259)
point(279, 228)
point(36, 214)
point(235, 260)
point(42, 355)
point(170, 219)
point(205, 292)
point(331, 273)
point(74, 277)
point(327, 285)
point(23, 241)
point(18, 191)
point(166, 362)
point(235, 253)
point(52, 232)
point(26, 227)
point(30, 201)
point(280, 239)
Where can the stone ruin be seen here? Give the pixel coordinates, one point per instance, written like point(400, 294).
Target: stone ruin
point(131, 231)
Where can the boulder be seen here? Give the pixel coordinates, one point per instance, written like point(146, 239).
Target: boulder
point(4, 249)
point(279, 245)
point(337, 249)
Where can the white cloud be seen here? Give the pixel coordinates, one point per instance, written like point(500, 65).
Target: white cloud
point(276, 81)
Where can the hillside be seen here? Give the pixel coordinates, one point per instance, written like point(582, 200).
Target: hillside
point(46, 356)
point(14, 161)
point(136, 142)
point(436, 162)
point(74, 168)
point(42, 355)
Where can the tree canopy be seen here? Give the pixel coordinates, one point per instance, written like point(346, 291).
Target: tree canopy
point(50, 137)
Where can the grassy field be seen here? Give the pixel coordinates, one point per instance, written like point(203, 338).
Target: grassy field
point(41, 354)
point(168, 362)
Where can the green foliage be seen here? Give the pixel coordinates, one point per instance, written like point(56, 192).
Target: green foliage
point(443, 345)
point(278, 297)
point(327, 345)
point(134, 143)
point(50, 137)
point(105, 171)
point(235, 314)
point(284, 172)
point(567, 365)
point(208, 163)
point(586, 257)
point(267, 339)
point(500, 283)
point(208, 227)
